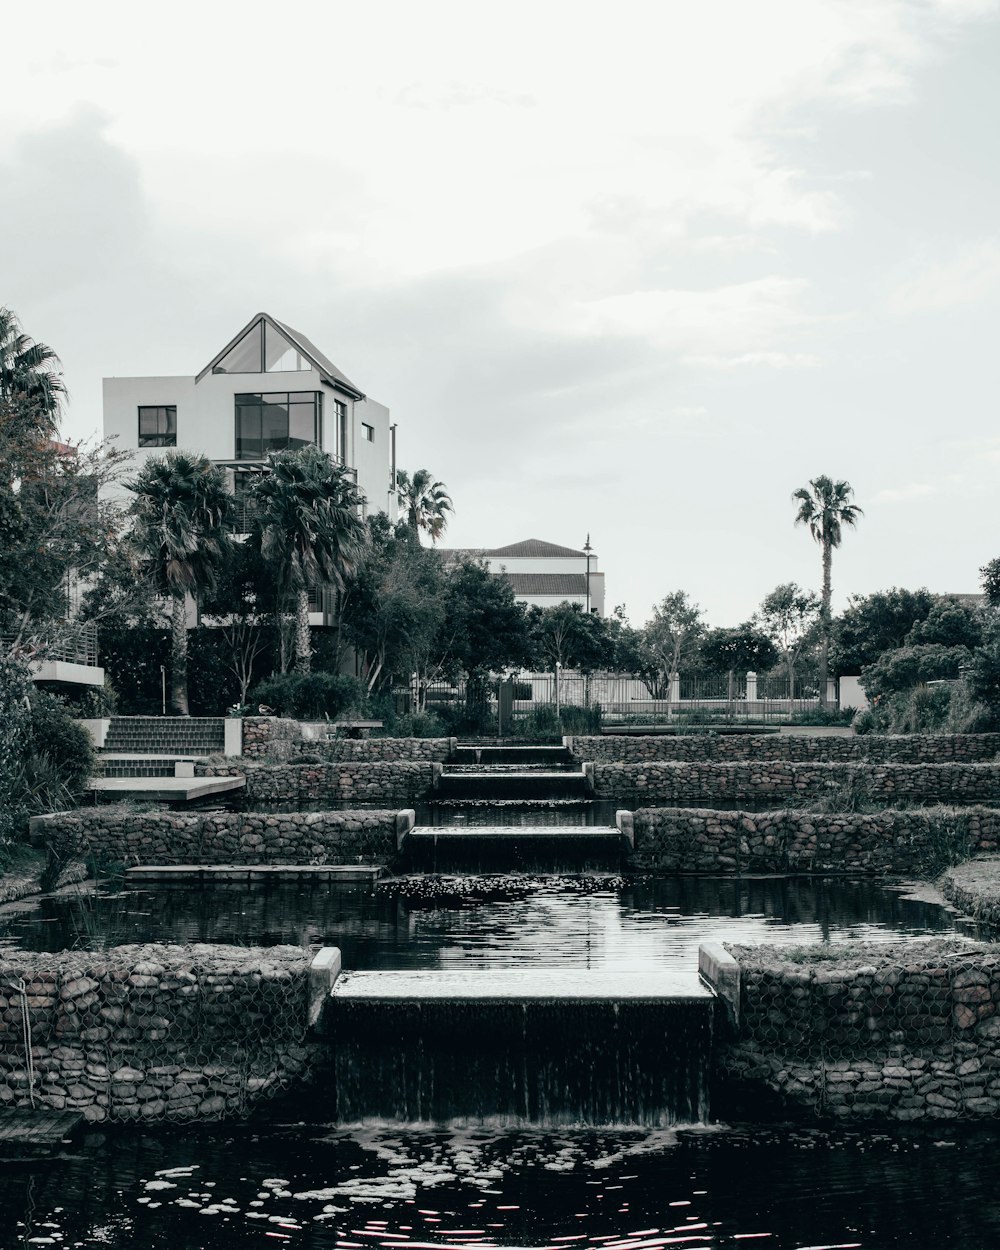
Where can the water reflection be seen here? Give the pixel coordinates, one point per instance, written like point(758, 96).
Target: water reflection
point(654, 922)
point(313, 1187)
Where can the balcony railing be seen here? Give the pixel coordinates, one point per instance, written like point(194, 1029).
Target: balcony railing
point(75, 643)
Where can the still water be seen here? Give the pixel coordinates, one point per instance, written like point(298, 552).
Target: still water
point(650, 923)
point(309, 1186)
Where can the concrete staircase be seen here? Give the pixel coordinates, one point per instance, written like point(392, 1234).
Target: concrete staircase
point(166, 735)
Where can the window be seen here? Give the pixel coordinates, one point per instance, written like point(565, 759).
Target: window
point(367, 432)
point(157, 425)
point(277, 421)
point(263, 349)
point(341, 408)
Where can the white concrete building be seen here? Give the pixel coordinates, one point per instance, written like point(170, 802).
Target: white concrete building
point(268, 389)
point(544, 573)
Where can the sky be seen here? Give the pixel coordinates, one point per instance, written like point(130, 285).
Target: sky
point(632, 270)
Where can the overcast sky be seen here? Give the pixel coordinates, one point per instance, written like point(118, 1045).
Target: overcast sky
point(632, 269)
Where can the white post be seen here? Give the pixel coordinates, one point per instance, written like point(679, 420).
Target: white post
point(558, 667)
point(751, 687)
point(675, 688)
point(831, 693)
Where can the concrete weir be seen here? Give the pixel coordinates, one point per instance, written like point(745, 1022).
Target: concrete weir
point(527, 1045)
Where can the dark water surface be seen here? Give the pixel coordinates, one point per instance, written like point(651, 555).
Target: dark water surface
point(651, 923)
point(313, 1186)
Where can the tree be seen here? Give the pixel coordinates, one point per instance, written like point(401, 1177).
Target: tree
point(672, 634)
point(426, 502)
point(948, 624)
point(742, 648)
point(911, 666)
point(990, 581)
point(30, 380)
point(180, 517)
point(873, 624)
point(789, 616)
point(825, 507)
point(239, 605)
point(308, 529)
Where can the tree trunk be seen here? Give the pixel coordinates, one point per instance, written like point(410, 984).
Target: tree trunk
point(824, 643)
point(178, 655)
point(303, 643)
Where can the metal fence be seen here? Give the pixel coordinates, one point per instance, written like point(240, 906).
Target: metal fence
point(74, 644)
point(626, 699)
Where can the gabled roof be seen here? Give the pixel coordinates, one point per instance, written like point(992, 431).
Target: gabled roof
point(534, 548)
point(548, 583)
point(321, 363)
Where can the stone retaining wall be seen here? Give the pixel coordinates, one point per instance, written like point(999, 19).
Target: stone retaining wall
point(383, 749)
point(270, 736)
point(764, 783)
point(887, 842)
point(152, 1032)
point(391, 784)
point(900, 1031)
point(790, 748)
point(121, 835)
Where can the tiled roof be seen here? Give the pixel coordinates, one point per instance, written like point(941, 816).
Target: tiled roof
point(534, 548)
point(548, 583)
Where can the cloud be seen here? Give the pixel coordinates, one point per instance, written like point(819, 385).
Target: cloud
point(968, 276)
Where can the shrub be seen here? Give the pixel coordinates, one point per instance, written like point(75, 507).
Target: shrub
point(310, 696)
point(57, 738)
point(907, 667)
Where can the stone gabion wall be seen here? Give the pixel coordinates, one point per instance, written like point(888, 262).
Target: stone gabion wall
point(388, 784)
point(383, 749)
point(120, 835)
point(271, 737)
point(906, 1032)
point(886, 842)
point(763, 783)
point(152, 1032)
point(790, 748)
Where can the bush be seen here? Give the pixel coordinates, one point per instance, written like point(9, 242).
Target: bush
point(310, 696)
point(416, 725)
point(56, 737)
point(907, 667)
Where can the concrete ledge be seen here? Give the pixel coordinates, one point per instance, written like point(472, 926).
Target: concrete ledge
point(625, 822)
point(721, 971)
point(405, 820)
point(233, 736)
point(323, 972)
point(254, 872)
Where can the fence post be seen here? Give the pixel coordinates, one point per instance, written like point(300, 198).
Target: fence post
point(832, 697)
point(751, 687)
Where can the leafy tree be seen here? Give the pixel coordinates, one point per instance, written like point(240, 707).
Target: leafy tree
point(739, 649)
point(180, 515)
point(876, 623)
point(485, 629)
point(990, 582)
point(395, 605)
point(30, 379)
point(911, 666)
point(425, 502)
point(566, 635)
point(949, 624)
point(789, 616)
point(672, 634)
point(308, 530)
point(241, 607)
point(825, 507)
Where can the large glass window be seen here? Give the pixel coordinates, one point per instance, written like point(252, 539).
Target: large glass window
point(263, 349)
point(277, 421)
point(157, 425)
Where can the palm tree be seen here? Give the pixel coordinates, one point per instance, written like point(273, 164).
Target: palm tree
point(28, 370)
point(825, 507)
point(308, 529)
point(427, 502)
point(181, 517)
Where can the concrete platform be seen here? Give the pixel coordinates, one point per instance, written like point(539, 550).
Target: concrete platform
point(548, 984)
point(34, 1134)
point(165, 789)
point(277, 873)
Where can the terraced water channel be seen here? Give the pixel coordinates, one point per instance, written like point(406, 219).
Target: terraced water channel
point(293, 1176)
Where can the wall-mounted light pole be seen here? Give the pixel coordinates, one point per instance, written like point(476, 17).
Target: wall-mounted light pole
point(588, 549)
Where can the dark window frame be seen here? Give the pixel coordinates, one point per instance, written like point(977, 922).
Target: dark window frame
point(367, 432)
point(165, 436)
point(289, 403)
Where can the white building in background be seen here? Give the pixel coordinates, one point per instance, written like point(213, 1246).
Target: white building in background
point(270, 388)
point(545, 574)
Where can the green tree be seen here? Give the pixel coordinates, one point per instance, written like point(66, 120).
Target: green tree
point(672, 634)
point(30, 378)
point(566, 635)
point(876, 623)
point(825, 507)
point(789, 617)
point(949, 624)
point(426, 503)
point(180, 517)
point(308, 529)
point(739, 649)
point(911, 666)
point(990, 580)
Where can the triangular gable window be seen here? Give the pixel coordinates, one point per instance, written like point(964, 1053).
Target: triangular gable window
point(263, 349)
point(245, 356)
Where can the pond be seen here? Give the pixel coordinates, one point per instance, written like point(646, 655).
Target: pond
point(599, 923)
point(289, 1180)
